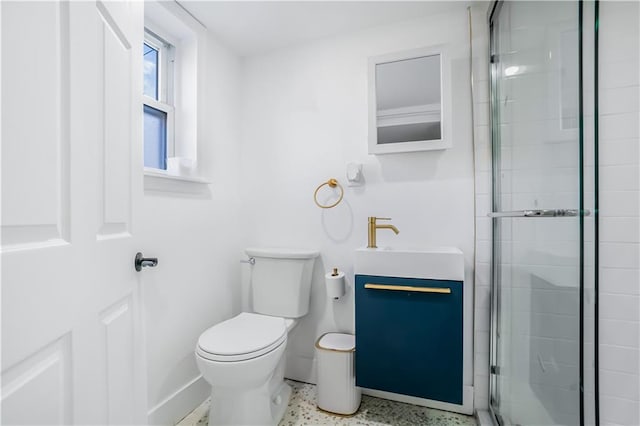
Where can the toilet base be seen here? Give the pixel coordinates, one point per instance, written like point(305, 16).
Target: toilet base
point(262, 406)
point(283, 395)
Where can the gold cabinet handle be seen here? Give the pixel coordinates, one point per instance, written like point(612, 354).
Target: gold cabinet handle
point(408, 288)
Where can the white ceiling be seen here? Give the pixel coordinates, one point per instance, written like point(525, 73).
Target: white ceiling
point(251, 27)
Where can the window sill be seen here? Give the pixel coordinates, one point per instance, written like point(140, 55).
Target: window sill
point(161, 181)
point(161, 174)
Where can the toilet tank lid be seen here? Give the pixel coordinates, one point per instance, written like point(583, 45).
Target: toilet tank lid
point(282, 253)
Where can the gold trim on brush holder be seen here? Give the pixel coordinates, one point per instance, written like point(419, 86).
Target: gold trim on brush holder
point(408, 288)
point(332, 183)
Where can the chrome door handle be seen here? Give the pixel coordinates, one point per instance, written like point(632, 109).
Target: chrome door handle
point(144, 262)
point(540, 213)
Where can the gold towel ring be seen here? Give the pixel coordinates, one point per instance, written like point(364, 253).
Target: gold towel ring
point(332, 183)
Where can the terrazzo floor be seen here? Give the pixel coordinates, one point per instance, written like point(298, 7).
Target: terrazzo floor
point(302, 410)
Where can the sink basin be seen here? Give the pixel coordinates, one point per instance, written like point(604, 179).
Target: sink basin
point(438, 263)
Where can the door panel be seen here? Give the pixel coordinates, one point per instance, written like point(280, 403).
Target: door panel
point(72, 348)
point(118, 326)
point(35, 190)
point(45, 375)
point(114, 152)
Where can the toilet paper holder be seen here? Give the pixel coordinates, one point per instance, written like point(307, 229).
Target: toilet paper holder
point(335, 284)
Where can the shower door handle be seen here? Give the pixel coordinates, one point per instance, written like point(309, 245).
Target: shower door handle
point(540, 213)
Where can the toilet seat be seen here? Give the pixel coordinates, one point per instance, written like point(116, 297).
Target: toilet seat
point(242, 337)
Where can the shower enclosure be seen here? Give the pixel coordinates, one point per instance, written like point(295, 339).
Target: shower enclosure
point(544, 286)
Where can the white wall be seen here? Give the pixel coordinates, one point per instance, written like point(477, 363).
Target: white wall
point(194, 230)
point(304, 111)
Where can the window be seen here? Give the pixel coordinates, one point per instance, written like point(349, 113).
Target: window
point(158, 63)
point(173, 66)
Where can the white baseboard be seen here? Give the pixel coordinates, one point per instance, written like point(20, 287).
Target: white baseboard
point(465, 408)
point(180, 403)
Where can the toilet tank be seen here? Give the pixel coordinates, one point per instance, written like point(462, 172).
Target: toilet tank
point(281, 281)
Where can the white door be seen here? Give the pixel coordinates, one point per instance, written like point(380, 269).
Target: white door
point(72, 342)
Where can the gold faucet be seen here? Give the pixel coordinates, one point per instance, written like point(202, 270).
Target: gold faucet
point(373, 226)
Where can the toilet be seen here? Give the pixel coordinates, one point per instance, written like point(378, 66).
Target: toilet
point(242, 357)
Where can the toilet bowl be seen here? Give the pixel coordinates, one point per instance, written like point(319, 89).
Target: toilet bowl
point(242, 358)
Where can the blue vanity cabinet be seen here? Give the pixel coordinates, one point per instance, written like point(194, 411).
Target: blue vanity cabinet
point(409, 342)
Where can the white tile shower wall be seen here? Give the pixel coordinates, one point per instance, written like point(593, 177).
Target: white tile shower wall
point(194, 231)
point(619, 213)
point(306, 114)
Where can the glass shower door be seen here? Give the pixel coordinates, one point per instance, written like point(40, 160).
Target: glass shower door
point(538, 339)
